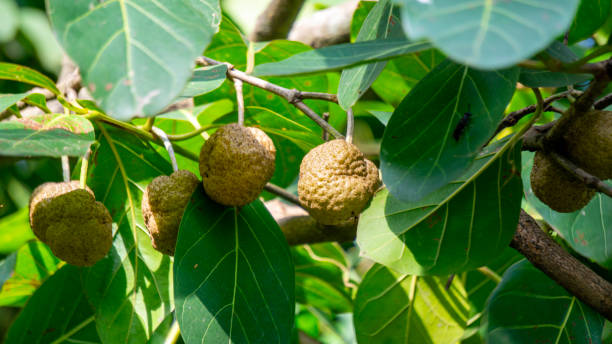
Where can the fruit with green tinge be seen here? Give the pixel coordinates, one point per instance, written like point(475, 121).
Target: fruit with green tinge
point(236, 162)
point(76, 227)
point(163, 204)
point(556, 187)
point(588, 142)
point(336, 182)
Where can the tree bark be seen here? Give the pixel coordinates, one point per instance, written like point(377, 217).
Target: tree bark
point(327, 27)
point(276, 20)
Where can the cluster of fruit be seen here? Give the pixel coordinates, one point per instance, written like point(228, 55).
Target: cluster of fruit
point(336, 182)
point(588, 143)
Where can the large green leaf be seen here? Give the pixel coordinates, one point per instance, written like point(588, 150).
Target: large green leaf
point(398, 308)
point(130, 289)
point(355, 81)
point(9, 71)
point(544, 78)
point(528, 307)
point(6, 100)
point(15, 231)
point(46, 135)
point(420, 150)
point(591, 16)
point(135, 55)
point(58, 312)
point(588, 230)
point(488, 34)
point(233, 274)
point(339, 56)
point(322, 277)
point(460, 227)
point(35, 263)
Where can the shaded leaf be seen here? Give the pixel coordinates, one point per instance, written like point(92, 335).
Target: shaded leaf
point(46, 135)
point(458, 228)
point(138, 62)
point(233, 275)
point(527, 306)
point(398, 308)
point(544, 78)
point(6, 100)
point(7, 266)
point(430, 140)
point(488, 34)
point(204, 80)
point(9, 71)
point(591, 15)
point(382, 116)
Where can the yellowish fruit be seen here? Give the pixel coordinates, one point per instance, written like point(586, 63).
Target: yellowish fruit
point(163, 204)
point(556, 187)
point(77, 228)
point(236, 162)
point(336, 182)
point(589, 143)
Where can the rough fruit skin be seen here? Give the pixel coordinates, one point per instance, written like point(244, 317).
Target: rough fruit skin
point(163, 204)
point(336, 182)
point(589, 143)
point(556, 187)
point(236, 162)
point(76, 227)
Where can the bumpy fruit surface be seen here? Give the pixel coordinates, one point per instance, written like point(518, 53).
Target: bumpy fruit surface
point(336, 182)
point(589, 143)
point(556, 187)
point(163, 204)
point(236, 162)
point(77, 228)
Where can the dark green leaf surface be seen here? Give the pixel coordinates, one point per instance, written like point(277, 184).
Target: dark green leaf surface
point(204, 80)
point(588, 231)
point(420, 152)
point(339, 56)
point(528, 307)
point(460, 227)
point(233, 274)
point(58, 312)
point(135, 55)
point(6, 100)
point(35, 263)
point(355, 81)
point(488, 34)
point(322, 277)
point(397, 308)
point(130, 288)
point(46, 135)
point(544, 78)
point(591, 16)
point(9, 71)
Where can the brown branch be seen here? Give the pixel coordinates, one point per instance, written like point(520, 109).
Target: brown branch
point(327, 27)
point(582, 175)
point(603, 102)
point(276, 20)
point(563, 268)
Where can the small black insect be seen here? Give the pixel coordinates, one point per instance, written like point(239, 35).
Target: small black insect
point(462, 125)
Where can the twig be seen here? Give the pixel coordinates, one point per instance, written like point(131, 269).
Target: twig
point(84, 167)
point(603, 102)
point(325, 133)
point(294, 97)
point(278, 191)
point(490, 274)
point(164, 138)
point(187, 136)
point(582, 175)
point(239, 100)
point(350, 125)
point(562, 267)
point(148, 126)
point(66, 168)
point(174, 334)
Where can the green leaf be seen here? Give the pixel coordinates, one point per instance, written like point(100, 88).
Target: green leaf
point(46, 135)
point(528, 307)
point(591, 16)
point(15, 231)
point(460, 227)
point(397, 308)
point(587, 230)
point(322, 277)
point(130, 288)
point(420, 150)
point(34, 25)
point(488, 34)
point(6, 100)
point(355, 81)
point(205, 80)
point(359, 15)
point(58, 312)
point(135, 55)
point(233, 274)
point(9, 71)
point(382, 116)
point(35, 263)
point(7, 267)
point(544, 78)
point(340, 56)
point(9, 20)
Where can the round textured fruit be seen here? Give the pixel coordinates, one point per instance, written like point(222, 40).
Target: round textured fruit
point(163, 204)
point(236, 162)
point(77, 228)
point(589, 143)
point(336, 182)
point(556, 187)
